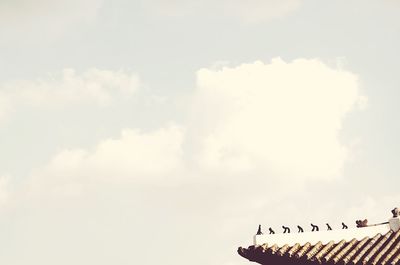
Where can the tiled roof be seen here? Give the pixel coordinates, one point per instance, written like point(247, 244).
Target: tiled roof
point(381, 248)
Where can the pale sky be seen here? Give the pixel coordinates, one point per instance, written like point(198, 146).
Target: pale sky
point(164, 131)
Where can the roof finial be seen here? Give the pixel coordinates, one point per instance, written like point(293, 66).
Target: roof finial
point(259, 230)
point(363, 223)
point(395, 212)
point(329, 227)
point(314, 228)
point(286, 229)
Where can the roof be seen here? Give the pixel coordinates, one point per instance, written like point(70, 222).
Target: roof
point(367, 245)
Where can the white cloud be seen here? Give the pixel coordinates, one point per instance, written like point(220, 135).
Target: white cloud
point(96, 86)
point(137, 157)
point(251, 11)
point(279, 117)
point(213, 175)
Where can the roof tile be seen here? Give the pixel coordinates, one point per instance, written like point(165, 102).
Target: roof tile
point(396, 259)
point(324, 251)
point(343, 251)
point(293, 250)
point(314, 250)
point(355, 250)
point(366, 248)
point(283, 250)
point(334, 251)
point(393, 252)
point(388, 246)
point(303, 250)
point(272, 250)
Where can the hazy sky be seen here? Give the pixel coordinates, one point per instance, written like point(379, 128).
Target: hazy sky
point(164, 131)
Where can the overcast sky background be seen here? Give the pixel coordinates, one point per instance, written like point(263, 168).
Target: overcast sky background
point(164, 131)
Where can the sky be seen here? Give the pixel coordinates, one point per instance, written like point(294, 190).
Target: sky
point(164, 131)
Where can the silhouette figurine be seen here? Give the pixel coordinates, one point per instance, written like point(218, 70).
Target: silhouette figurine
point(271, 231)
point(300, 229)
point(363, 223)
point(285, 229)
point(344, 226)
point(314, 228)
point(395, 212)
point(329, 227)
point(259, 230)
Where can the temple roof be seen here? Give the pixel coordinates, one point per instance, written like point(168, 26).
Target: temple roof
point(378, 244)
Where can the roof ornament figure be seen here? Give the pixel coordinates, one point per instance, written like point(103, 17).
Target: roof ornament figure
point(271, 231)
point(285, 229)
point(301, 230)
point(363, 223)
point(314, 228)
point(395, 212)
point(329, 227)
point(259, 230)
point(344, 226)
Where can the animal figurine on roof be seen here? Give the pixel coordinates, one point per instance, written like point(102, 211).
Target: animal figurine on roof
point(285, 229)
point(395, 212)
point(314, 228)
point(259, 230)
point(344, 226)
point(329, 227)
point(301, 230)
point(271, 231)
point(363, 223)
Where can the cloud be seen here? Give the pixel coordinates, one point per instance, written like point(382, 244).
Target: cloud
point(252, 11)
point(282, 117)
point(252, 131)
point(137, 157)
point(95, 86)
point(275, 123)
point(280, 120)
